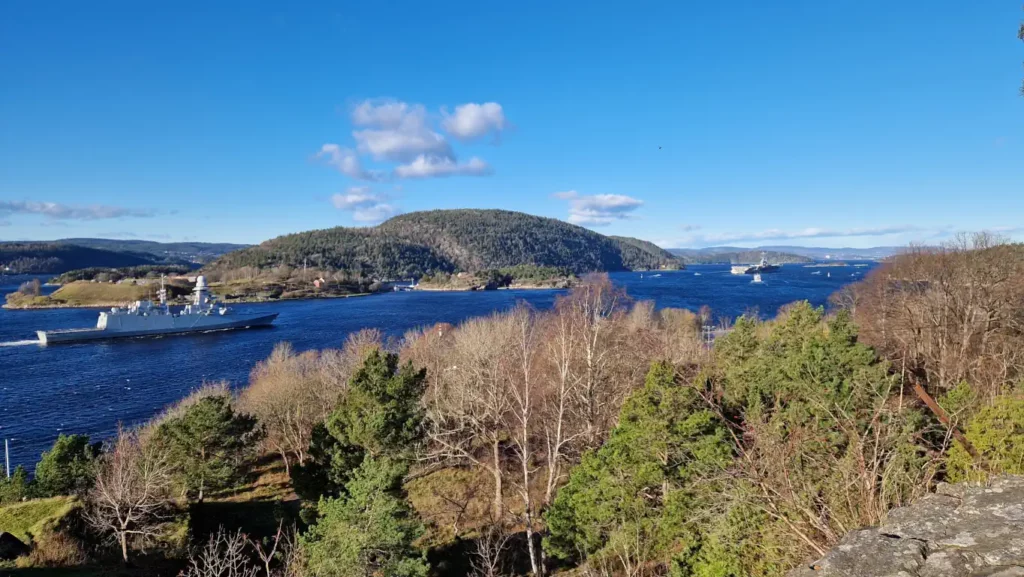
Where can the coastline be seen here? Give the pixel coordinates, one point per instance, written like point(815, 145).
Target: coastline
point(8, 306)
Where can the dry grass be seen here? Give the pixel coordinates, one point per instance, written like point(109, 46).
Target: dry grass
point(85, 293)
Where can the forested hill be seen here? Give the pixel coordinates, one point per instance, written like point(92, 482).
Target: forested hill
point(451, 240)
point(642, 254)
point(164, 251)
point(54, 258)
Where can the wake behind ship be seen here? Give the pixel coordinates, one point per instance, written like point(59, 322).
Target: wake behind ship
point(143, 319)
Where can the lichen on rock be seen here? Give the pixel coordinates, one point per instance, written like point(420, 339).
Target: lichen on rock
point(963, 530)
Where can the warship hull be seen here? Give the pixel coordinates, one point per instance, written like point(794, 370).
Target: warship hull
point(157, 326)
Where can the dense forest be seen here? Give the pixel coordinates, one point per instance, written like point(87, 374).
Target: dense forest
point(55, 258)
point(103, 274)
point(446, 241)
point(600, 437)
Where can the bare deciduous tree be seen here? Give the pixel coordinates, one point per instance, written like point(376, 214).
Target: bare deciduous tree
point(282, 548)
point(130, 494)
point(291, 392)
point(223, 555)
point(949, 315)
point(489, 557)
point(466, 417)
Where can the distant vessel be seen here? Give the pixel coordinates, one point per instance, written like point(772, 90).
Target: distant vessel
point(816, 272)
point(757, 278)
point(758, 268)
point(143, 319)
point(696, 274)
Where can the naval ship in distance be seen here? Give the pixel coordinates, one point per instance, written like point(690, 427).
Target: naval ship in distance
point(758, 268)
point(143, 319)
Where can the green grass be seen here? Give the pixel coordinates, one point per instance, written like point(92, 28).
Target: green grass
point(30, 517)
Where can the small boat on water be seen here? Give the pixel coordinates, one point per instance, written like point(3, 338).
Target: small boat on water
point(143, 319)
point(816, 272)
point(696, 274)
point(757, 279)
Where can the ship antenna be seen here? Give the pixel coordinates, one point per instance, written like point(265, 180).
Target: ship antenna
point(163, 290)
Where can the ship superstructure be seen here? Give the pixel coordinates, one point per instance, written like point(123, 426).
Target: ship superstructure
point(144, 318)
point(761, 267)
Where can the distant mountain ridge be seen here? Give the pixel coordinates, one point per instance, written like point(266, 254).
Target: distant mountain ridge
point(56, 258)
point(810, 252)
point(736, 256)
point(421, 243)
point(60, 256)
point(189, 251)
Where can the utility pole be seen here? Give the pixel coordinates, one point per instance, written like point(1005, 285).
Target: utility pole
point(7, 458)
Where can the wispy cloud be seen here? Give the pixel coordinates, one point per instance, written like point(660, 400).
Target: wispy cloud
point(135, 235)
point(58, 211)
point(392, 131)
point(598, 209)
point(346, 162)
point(711, 239)
point(430, 166)
point(364, 204)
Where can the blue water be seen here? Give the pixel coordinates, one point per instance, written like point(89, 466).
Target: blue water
point(89, 388)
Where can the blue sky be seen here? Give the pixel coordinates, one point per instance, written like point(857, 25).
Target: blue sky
point(838, 123)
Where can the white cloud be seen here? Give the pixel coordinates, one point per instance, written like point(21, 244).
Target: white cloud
point(346, 162)
point(393, 131)
point(365, 205)
point(472, 120)
point(598, 209)
point(397, 132)
point(384, 112)
point(57, 211)
point(434, 166)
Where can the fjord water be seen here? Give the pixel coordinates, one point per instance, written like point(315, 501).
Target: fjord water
point(91, 387)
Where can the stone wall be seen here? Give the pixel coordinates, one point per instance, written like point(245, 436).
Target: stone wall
point(963, 530)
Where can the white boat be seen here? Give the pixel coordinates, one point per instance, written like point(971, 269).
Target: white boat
point(816, 272)
point(757, 279)
point(143, 319)
point(696, 274)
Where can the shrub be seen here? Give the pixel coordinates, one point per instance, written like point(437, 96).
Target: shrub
point(67, 468)
point(209, 446)
point(997, 433)
point(30, 288)
point(55, 549)
point(17, 488)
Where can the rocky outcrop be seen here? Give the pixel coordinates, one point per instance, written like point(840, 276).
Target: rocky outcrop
point(11, 547)
point(963, 530)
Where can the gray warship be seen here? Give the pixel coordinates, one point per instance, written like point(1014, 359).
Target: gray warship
point(758, 268)
point(144, 319)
